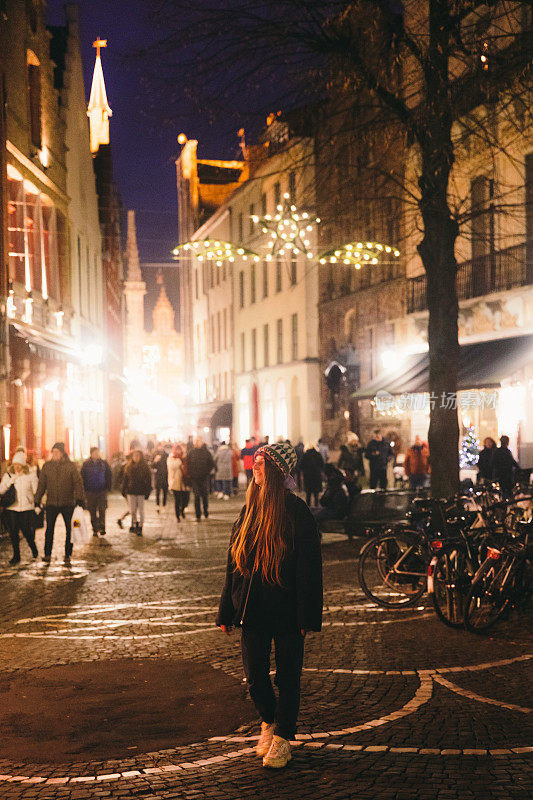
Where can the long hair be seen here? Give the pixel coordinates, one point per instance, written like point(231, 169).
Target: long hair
point(265, 529)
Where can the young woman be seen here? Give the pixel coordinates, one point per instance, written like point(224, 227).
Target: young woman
point(175, 480)
point(136, 486)
point(273, 591)
point(20, 515)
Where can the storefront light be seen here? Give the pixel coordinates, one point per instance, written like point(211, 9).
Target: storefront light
point(7, 441)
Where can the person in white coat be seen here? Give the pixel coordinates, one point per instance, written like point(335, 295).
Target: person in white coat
point(20, 515)
point(224, 470)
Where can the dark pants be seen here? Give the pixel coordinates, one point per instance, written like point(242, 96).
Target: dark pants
point(235, 484)
point(249, 475)
point(415, 481)
point(52, 513)
point(181, 499)
point(21, 521)
point(378, 477)
point(309, 494)
point(289, 652)
point(201, 496)
point(96, 506)
point(161, 487)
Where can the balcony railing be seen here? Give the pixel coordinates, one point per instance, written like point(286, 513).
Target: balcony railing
point(494, 272)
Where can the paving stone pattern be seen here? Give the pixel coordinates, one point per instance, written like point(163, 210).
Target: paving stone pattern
point(394, 705)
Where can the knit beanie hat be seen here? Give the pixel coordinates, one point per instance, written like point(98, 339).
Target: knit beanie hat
point(59, 446)
point(281, 454)
point(19, 458)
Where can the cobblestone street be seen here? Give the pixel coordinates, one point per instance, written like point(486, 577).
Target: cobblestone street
point(394, 704)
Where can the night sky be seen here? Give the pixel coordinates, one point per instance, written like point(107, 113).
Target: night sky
point(144, 151)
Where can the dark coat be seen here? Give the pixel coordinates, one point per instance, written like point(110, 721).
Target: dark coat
point(311, 466)
point(61, 482)
point(96, 475)
point(160, 468)
point(378, 453)
point(137, 479)
point(294, 605)
point(485, 464)
point(504, 465)
point(336, 498)
point(200, 463)
point(351, 459)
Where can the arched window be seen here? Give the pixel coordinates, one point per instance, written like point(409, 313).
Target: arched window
point(349, 326)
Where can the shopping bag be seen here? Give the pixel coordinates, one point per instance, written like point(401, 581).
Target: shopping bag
point(80, 528)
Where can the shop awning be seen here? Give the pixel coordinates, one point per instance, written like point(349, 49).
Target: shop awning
point(45, 346)
point(482, 365)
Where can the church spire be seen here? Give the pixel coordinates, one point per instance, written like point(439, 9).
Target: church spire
point(98, 109)
point(132, 252)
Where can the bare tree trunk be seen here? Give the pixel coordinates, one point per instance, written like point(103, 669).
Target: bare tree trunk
point(437, 254)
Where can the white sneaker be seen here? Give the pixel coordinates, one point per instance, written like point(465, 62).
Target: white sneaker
point(225, 497)
point(265, 740)
point(219, 495)
point(279, 754)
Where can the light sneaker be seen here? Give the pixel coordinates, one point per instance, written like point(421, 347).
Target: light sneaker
point(265, 740)
point(279, 754)
point(225, 497)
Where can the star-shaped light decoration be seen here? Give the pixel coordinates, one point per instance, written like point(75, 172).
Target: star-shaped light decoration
point(359, 253)
point(215, 250)
point(288, 230)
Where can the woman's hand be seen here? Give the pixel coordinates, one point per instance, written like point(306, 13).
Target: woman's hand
point(227, 629)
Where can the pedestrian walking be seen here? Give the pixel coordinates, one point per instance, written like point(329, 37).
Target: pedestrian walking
point(97, 478)
point(200, 464)
point(273, 591)
point(61, 482)
point(160, 472)
point(485, 464)
point(379, 453)
point(416, 464)
point(311, 466)
point(19, 516)
point(136, 487)
point(323, 449)
point(299, 449)
point(224, 470)
point(247, 456)
point(504, 467)
point(176, 480)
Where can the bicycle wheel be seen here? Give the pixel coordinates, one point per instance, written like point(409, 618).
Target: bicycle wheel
point(486, 601)
point(452, 577)
point(392, 569)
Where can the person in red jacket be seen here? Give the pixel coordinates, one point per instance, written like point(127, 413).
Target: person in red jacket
point(416, 464)
point(247, 455)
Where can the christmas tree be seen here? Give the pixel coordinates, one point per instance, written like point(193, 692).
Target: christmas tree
point(469, 450)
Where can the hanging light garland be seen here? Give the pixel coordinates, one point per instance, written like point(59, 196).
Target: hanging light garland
point(215, 250)
point(358, 254)
point(288, 230)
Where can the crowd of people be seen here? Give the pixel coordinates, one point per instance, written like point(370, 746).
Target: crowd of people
point(191, 468)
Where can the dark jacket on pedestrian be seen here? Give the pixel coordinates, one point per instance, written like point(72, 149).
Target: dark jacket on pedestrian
point(294, 605)
point(96, 475)
point(311, 466)
point(61, 482)
point(504, 465)
point(137, 479)
point(160, 468)
point(485, 464)
point(378, 453)
point(351, 459)
point(200, 463)
point(336, 498)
